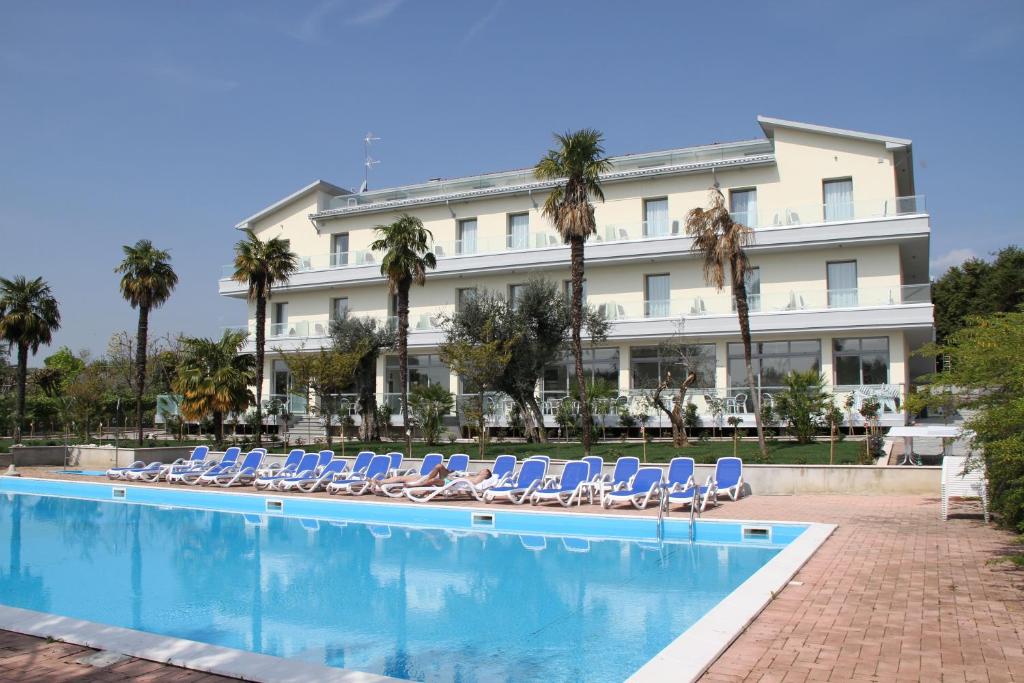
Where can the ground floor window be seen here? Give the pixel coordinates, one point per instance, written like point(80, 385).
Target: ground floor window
point(598, 364)
point(861, 361)
point(424, 369)
point(648, 364)
point(772, 361)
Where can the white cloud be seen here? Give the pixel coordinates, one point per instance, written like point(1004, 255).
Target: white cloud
point(308, 30)
point(483, 21)
point(359, 13)
point(955, 257)
point(378, 11)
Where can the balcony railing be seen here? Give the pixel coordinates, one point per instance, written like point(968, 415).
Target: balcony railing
point(761, 218)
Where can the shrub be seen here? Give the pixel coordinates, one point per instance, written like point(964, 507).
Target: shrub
point(801, 404)
point(428, 405)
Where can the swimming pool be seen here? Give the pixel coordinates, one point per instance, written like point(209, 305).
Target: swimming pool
point(421, 593)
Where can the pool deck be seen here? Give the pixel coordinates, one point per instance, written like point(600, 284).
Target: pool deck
point(894, 594)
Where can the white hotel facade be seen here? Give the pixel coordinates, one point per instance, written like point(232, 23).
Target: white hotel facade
point(840, 252)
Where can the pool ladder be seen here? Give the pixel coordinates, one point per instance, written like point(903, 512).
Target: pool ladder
point(663, 512)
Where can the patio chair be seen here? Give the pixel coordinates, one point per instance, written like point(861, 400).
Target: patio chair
point(625, 468)
point(190, 475)
point(236, 475)
point(458, 462)
point(430, 461)
point(291, 462)
point(693, 493)
point(643, 488)
point(959, 482)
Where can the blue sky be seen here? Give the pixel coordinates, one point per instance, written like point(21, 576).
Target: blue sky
point(174, 120)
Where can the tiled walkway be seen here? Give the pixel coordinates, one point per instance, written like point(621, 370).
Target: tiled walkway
point(894, 595)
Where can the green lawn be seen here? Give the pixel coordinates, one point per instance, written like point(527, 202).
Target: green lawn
point(780, 452)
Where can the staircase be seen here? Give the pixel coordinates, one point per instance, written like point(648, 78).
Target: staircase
point(308, 428)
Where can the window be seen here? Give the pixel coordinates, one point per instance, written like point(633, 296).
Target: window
point(772, 361)
point(598, 364)
point(656, 295)
point(861, 361)
point(743, 207)
point(515, 292)
point(464, 295)
point(339, 308)
point(567, 290)
point(838, 199)
point(466, 237)
point(842, 283)
point(648, 364)
point(279, 319)
point(339, 249)
point(518, 235)
point(655, 217)
point(752, 280)
point(424, 370)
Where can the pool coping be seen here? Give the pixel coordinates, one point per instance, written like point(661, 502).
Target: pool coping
point(686, 658)
point(694, 651)
point(189, 654)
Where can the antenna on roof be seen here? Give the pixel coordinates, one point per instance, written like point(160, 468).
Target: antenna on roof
point(368, 161)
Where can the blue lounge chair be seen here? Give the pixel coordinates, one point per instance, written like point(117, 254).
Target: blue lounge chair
point(596, 474)
point(135, 470)
point(430, 461)
point(313, 480)
point(504, 466)
point(238, 475)
point(325, 458)
point(306, 464)
point(362, 461)
point(572, 485)
point(458, 462)
point(729, 477)
point(529, 479)
point(396, 463)
point(687, 496)
point(289, 465)
point(156, 471)
point(190, 475)
point(680, 475)
point(377, 470)
point(644, 487)
point(626, 468)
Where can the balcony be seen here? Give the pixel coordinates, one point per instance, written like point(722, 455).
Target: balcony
point(766, 221)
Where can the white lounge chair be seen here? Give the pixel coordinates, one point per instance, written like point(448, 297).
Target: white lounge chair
point(962, 482)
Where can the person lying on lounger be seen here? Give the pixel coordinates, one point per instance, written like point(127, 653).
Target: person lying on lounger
point(439, 476)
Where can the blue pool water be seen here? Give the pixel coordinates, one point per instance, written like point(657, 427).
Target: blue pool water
point(416, 603)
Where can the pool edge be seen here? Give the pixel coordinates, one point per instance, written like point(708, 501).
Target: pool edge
point(187, 654)
point(694, 651)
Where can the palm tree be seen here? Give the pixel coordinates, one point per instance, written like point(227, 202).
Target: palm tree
point(407, 258)
point(577, 163)
point(721, 242)
point(147, 281)
point(262, 265)
point(29, 316)
point(214, 378)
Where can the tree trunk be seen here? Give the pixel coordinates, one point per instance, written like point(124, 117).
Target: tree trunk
point(261, 323)
point(536, 417)
point(483, 423)
point(368, 430)
point(739, 290)
point(140, 365)
point(218, 426)
point(680, 439)
point(330, 420)
point(576, 319)
point(19, 418)
point(403, 358)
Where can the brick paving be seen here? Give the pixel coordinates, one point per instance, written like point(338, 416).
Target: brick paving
point(894, 595)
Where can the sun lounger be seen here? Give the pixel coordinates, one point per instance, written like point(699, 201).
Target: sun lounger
point(378, 469)
point(704, 494)
point(306, 465)
point(571, 486)
point(190, 475)
point(325, 458)
point(238, 475)
point(529, 479)
point(290, 464)
point(156, 471)
point(458, 462)
point(729, 477)
point(313, 480)
point(595, 476)
point(680, 475)
point(626, 468)
point(361, 462)
point(430, 461)
point(642, 489)
point(396, 463)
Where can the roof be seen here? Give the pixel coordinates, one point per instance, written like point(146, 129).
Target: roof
point(769, 124)
point(316, 185)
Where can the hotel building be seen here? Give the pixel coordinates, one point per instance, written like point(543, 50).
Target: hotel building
point(839, 281)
